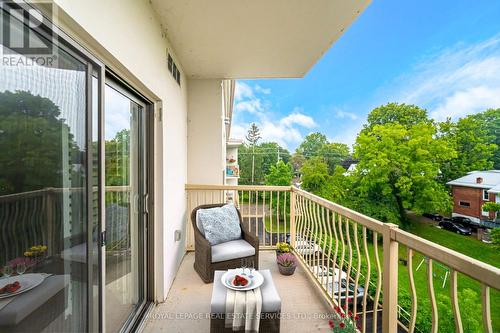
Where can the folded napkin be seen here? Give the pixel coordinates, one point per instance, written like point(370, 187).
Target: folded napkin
point(243, 309)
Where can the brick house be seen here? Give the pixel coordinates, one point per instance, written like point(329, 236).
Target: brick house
point(470, 192)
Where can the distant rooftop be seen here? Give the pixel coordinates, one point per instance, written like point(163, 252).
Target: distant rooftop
point(489, 180)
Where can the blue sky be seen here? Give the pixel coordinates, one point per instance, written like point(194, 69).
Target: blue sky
point(440, 55)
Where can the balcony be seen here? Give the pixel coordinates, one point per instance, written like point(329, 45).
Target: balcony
point(190, 296)
point(367, 250)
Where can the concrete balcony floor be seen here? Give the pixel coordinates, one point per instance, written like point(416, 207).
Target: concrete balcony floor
point(302, 307)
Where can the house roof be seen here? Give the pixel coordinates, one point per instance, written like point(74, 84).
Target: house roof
point(253, 39)
point(491, 180)
point(495, 189)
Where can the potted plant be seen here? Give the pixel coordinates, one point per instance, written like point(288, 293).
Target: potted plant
point(287, 263)
point(282, 247)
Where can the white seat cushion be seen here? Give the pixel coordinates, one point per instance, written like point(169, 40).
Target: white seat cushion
point(231, 250)
point(271, 301)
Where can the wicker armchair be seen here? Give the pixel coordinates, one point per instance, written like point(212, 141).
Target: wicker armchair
point(203, 264)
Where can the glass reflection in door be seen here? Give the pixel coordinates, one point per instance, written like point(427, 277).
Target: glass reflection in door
point(44, 178)
point(124, 196)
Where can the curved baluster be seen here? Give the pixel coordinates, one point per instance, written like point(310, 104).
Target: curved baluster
point(432, 297)
point(413, 316)
point(485, 295)
point(329, 231)
point(349, 262)
point(379, 281)
point(339, 285)
point(335, 217)
point(358, 269)
point(367, 278)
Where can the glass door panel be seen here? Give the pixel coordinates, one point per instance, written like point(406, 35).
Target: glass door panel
point(44, 178)
point(124, 197)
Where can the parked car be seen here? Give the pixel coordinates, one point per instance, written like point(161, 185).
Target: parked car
point(459, 228)
point(329, 278)
point(465, 221)
point(433, 216)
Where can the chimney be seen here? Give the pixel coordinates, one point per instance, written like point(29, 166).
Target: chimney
point(479, 180)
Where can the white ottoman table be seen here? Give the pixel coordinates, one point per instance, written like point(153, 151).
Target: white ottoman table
point(271, 305)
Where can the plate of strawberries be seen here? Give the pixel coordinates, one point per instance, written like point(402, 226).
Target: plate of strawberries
point(238, 280)
point(19, 284)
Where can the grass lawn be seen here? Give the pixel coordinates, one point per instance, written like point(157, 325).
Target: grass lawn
point(464, 244)
point(467, 245)
point(274, 225)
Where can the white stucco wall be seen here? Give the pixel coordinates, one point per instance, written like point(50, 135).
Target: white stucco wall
point(206, 139)
point(126, 35)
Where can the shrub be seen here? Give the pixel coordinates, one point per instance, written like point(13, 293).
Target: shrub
point(283, 247)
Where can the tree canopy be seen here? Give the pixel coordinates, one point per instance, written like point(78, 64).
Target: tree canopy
point(333, 154)
point(396, 113)
point(280, 174)
point(312, 145)
point(33, 139)
point(473, 143)
point(403, 164)
point(253, 135)
point(261, 157)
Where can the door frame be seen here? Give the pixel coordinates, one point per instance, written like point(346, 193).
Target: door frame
point(102, 70)
point(147, 204)
point(49, 30)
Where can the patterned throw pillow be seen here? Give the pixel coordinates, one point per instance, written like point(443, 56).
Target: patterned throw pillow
point(220, 224)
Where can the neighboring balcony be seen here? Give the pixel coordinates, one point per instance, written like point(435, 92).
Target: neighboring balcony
point(329, 238)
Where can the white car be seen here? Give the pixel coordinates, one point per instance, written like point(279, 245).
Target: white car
point(305, 247)
point(329, 278)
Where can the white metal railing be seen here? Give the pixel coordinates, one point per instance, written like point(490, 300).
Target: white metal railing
point(338, 245)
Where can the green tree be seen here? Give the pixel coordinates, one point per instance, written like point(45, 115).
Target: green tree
point(118, 159)
point(314, 175)
point(491, 122)
point(312, 145)
point(253, 136)
point(471, 139)
point(297, 161)
point(33, 140)
point(396, 113)
point(280, 174)
point(333, 154)
point(271, 153)
point(263, 156)
point(400, 165)
point(316, 179)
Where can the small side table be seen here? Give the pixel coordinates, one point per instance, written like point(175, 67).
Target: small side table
point(271, 305)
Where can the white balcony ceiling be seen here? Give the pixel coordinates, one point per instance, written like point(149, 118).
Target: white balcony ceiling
point(254, 38)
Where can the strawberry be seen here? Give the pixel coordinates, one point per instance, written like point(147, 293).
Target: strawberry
point(10, 288)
